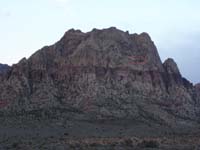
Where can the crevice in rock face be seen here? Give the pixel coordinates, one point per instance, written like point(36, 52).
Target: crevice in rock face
point(30, 81)
point(166, 81)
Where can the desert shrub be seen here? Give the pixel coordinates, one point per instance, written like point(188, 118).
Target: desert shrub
point(93, 144)
point(74, 145)
point(114, 143)
point(15, 145)
point(66, 134)
point(149, 144)
point(128, 142)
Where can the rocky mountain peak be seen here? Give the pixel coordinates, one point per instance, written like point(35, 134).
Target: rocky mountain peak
point(111, 47)
point(197, 86)
point(4, 68)
point(145, 36)
point(171, 66)
point(104, 73)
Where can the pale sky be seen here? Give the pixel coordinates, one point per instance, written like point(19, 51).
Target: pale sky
point(174, 26)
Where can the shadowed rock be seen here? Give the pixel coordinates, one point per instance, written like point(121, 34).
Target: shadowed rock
point(4, 68)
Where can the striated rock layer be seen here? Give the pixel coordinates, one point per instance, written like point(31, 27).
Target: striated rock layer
point(102, 74)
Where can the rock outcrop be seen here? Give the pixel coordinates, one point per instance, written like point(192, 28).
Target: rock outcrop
point(197, 88)
point(4, 68)
point(102, 74)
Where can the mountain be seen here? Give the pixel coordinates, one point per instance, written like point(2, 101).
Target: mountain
point(4, 68)
point(101, 75)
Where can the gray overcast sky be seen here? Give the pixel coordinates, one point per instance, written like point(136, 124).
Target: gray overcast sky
point(174, 25)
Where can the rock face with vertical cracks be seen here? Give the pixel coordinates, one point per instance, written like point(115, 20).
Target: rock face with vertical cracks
point(102, 74)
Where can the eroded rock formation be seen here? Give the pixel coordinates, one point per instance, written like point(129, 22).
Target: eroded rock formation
point(102, 74)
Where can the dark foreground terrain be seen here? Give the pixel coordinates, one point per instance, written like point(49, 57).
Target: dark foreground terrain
point(67, 134)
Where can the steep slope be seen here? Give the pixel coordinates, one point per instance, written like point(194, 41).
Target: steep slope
point(102, 74)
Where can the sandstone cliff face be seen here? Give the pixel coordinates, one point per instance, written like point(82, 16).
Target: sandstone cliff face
point(102, 74)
